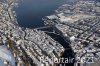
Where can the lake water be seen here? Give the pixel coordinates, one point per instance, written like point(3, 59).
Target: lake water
point(30, 12)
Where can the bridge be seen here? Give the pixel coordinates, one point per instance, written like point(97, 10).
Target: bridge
point(51, 32)
point(43, 27)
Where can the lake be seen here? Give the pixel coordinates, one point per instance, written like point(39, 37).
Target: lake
point(30, 12)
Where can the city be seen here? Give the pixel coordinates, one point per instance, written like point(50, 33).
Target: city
point(78, 23)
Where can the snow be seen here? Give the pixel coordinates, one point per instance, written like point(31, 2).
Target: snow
point(1, 63)
point(72, 38)
point(5, 54)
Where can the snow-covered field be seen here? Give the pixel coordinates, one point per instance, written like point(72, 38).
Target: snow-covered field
point(5, 54)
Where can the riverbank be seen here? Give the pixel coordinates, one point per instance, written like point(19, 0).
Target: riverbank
point(68, 53)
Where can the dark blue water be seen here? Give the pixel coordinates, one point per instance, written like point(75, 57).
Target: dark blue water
point(30, 12)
